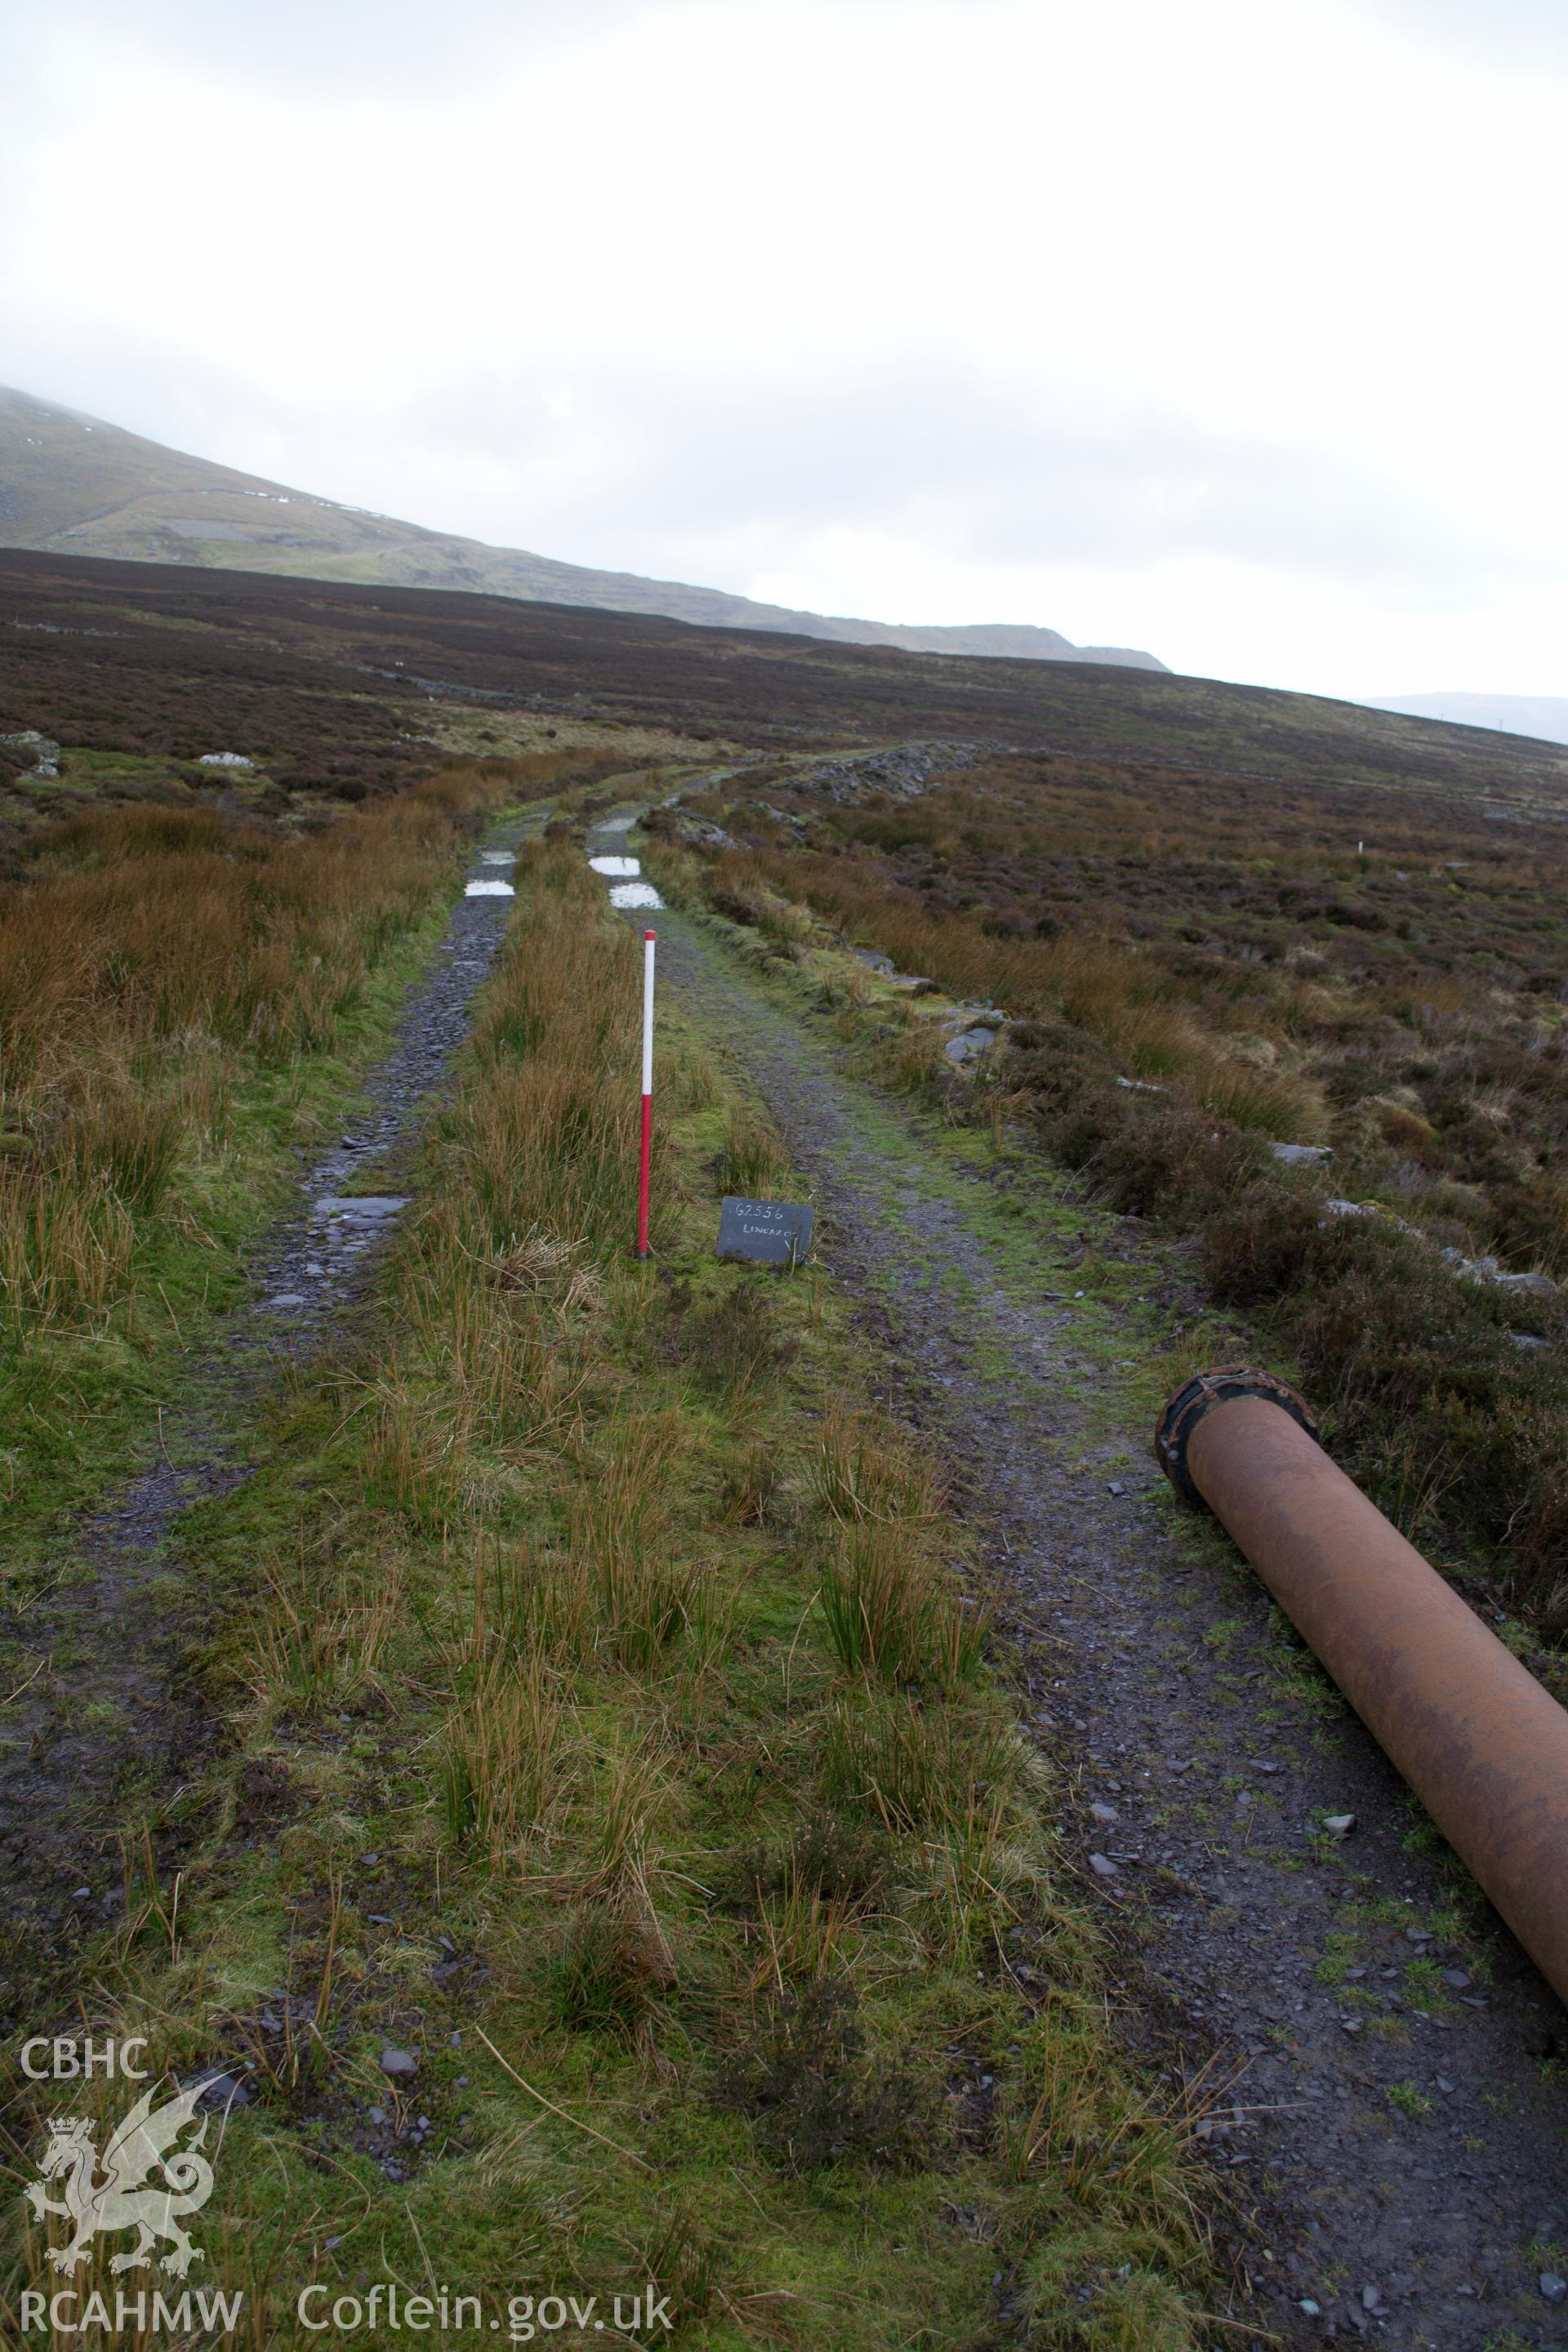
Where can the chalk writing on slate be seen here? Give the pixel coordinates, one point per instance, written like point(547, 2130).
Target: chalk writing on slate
point(778, 1233)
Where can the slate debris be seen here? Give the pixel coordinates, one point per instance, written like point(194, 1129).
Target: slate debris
point(223, 2091)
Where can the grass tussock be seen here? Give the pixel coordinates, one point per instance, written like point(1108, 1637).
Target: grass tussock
point(1196, 979)
point(185, 994)
point(153, 960)
point(754, 1163)
point(888, 1612)
point(502, 1761)
point(547, 1141)
point(862, 1472)
point(687, 1863)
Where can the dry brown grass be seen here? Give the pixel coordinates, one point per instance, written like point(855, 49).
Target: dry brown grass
point(1106, 986)
point(548, 1145)
point(504, 1759)
point(609, 1681)
point(1198, 971)
point(866, 1470)
point(153, 958)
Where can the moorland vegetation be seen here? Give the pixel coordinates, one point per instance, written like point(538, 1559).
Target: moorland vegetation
point(607, 1723)
point(1247, 1012)
point(611, 1742)
point(183, 994)
point(86, 643)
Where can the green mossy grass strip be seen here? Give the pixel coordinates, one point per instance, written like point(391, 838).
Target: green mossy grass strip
point(543, 1738)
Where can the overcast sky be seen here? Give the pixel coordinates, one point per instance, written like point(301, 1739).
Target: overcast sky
point(1232, 329)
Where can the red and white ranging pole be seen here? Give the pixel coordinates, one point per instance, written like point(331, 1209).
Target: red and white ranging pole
point(647, 1155)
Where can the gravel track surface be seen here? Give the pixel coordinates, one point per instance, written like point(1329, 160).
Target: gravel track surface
point(1391, 2144)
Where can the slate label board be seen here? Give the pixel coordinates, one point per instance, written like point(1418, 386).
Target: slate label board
point(775, 1232)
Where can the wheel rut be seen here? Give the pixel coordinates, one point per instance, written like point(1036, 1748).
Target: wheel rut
point(1391, 2143)
point(105, 1724)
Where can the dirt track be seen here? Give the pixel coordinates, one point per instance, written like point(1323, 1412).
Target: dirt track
point(1404, 2219)
point(1396, 2141)
point(106, 1727)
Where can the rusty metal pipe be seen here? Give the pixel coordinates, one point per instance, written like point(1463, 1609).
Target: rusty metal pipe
point(1483, 1745)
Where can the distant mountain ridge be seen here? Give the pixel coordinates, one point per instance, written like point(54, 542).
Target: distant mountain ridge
point(1543, 716)
point(71, 483)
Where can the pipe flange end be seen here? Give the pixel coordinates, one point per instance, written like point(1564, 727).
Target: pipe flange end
point(1199, 1396)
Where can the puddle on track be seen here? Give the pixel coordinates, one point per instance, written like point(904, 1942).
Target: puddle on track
point(490, 891)
point(115, 1625)
point(628, 890)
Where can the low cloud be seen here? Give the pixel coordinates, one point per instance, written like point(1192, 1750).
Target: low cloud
point(970, 472)
point(1529, 32)
point(1001, 307)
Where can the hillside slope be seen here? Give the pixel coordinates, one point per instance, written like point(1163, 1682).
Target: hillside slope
point(174, 661)
point(1545, 716)
point(72, 483)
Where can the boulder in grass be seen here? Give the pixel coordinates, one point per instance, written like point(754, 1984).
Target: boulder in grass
point(1300, 1155)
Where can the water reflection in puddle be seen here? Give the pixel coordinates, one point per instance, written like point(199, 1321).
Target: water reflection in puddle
point(497, 857)
point(635, 893)
point(360, 1208)
point(490, 891)
point(616, 865)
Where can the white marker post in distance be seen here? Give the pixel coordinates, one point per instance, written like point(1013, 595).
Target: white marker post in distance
point(647, 954)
